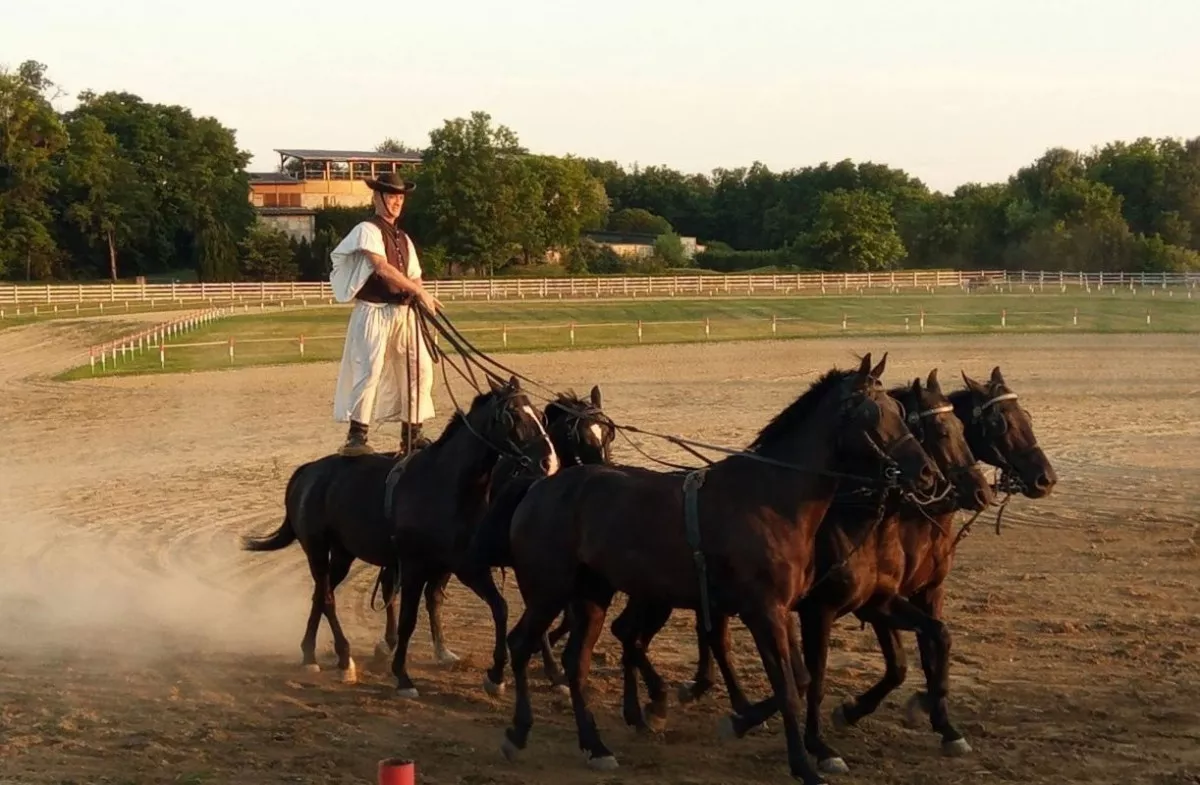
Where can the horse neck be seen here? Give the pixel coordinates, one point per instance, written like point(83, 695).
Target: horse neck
point(804, 494)
point(470, 461)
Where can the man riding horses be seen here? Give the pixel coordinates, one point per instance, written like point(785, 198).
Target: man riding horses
point(385, 358)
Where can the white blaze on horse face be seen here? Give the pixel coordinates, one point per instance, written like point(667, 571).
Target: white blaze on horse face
point(597, 434)
point(549, 444)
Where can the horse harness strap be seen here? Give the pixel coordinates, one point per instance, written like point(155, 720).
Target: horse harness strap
point(389, 485)
point(691, 521)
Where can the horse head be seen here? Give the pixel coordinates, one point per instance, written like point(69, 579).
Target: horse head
point(930, 417)
point(505, 421)
point(579, 429)
point(869, 435)
point(1000, 432)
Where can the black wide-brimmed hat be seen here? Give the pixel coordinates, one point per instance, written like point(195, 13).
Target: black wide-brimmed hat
point(391, 183)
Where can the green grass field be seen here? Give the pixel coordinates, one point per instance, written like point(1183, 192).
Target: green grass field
point(274, 337)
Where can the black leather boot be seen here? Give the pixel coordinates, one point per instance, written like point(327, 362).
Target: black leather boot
point(411, 439)
point(356, 441)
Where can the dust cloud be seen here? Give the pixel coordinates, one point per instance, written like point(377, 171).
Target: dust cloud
point(68, 591)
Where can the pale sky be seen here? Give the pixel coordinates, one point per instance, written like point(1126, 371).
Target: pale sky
point(952, 92)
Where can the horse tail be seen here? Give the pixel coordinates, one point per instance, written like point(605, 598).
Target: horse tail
point(281, 538)
point(285, 535)
point(489, 546)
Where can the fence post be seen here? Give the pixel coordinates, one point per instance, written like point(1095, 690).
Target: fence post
point(301, 344)
point(639, 330)
point(1003, 317)
point(1075, 318)
point(922, 320)
point(162, 355)
point(504, 335)
point(92, 360)
point(774, 324)
point(706, 328)
point(1147, 317)
point(843, 321)
point(231, 350)
point(572, 333)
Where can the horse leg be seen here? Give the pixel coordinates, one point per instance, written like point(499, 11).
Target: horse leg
point(702, 681)
point(318, 566)
point(557, 678)
point(816, 622)
point(588, 612)
point(530, 628)
point(435, 595)
point(933, 640)
point(339, 568)
point(555, 635)
point(412, 582)
point(895, 670)
point(635, 627)
point(391, 597)
point(485, 588)
point(775, 641)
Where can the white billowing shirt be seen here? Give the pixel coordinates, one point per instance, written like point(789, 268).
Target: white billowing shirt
point(351, 269)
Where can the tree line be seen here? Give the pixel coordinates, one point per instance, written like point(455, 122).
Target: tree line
point(118, 187)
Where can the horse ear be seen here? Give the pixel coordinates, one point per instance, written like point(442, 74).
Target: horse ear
point(495, 385)
point(997, 378)
point(596, 396)
point(973, 385)
point(864, 367)
point(877, 371)
point(932, 383)
point(514, 383)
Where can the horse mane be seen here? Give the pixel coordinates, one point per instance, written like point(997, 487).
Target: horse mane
point(456, 420)
point(567, 400)
point(801, 409)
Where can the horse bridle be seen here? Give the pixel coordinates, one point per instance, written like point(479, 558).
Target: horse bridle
point(516, 453)
point(1010, 479)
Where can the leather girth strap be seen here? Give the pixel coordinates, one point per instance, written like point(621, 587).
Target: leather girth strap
point(691, 521)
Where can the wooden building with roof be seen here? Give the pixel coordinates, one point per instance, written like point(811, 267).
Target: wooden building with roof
point(309, 180)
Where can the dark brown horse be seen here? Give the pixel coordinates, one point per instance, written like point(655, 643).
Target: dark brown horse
point(914, 562)
point(580, 433)
point(337, 506)
point(733, 539)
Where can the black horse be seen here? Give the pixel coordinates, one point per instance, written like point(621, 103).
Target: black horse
point(592, 436)
point(337, 508)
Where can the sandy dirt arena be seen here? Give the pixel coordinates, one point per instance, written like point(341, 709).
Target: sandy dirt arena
point(138, 644)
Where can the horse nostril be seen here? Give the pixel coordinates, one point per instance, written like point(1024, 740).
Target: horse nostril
point(981, 498)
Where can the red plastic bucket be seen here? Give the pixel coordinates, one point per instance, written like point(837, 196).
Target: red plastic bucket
point(397, 771)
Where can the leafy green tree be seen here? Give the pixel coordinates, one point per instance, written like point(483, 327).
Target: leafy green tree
point(268, 255)
point(669, 248)
point(854, 231)
point(635, 220)
point(31, 134)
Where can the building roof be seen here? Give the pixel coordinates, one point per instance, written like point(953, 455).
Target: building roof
point(350, 155)
point(271, 177)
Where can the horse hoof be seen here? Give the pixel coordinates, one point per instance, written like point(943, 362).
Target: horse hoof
point(685, 693)
point(491, 688)
point(725, 729)
point(956, 748)
point(563, 690)
point(350, 675)
point(447, 657)
point(407, 692)
point(312, 667)
point(511, 753)
point(833, 766)
point(606, 763)
point(913, 712)
point(653, 722)
point(839, 718)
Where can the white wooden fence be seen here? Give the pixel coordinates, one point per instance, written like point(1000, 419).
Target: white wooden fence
point(591, 287)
